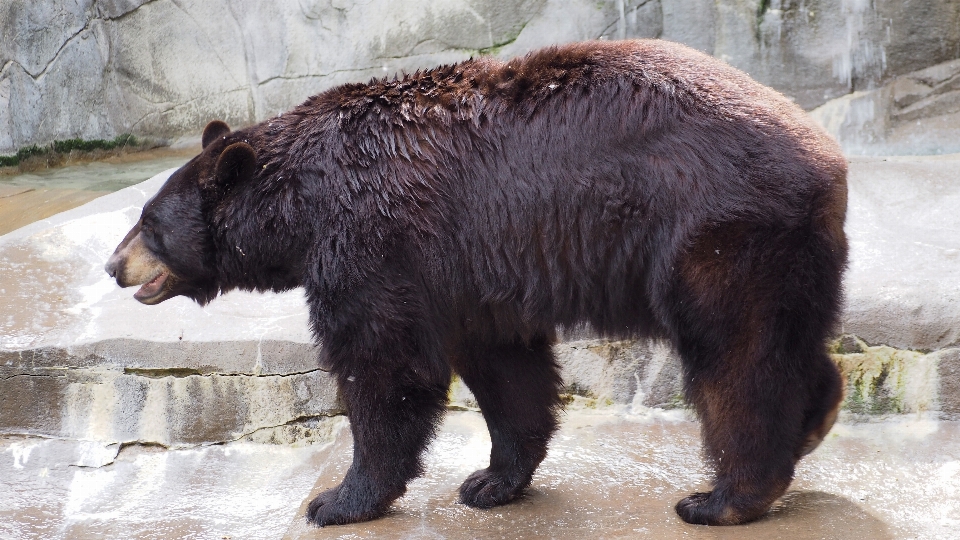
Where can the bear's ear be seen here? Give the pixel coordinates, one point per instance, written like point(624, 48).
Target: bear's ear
point(213, 131)
point(237, 164)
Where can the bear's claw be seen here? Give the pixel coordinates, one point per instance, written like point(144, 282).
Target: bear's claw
point(691, 509)
point(486, 489)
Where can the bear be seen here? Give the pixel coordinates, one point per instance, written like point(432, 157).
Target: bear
point(456, 220)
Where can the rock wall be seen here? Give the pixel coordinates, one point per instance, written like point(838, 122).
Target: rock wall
point(916, 113)
point(163, 68)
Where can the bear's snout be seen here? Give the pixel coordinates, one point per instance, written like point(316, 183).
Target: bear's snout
point(132, 263)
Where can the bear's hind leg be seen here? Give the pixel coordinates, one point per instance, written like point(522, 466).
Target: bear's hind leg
point(751, 312)
point(751, 425)
point(766, 397)
point(758, 422)
point(518, 389)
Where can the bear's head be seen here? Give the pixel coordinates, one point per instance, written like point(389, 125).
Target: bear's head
point(171, 250)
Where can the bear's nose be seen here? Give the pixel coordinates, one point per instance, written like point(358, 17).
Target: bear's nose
point(111, 267)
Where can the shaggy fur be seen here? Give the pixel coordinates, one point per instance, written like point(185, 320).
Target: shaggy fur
point(451, 220)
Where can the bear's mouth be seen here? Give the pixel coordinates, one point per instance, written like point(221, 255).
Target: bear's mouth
point(151, 291)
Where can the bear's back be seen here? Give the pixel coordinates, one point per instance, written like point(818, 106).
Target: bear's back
point(561, 186)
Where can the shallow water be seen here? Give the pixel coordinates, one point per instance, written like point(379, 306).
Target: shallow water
point(29, 197)
point(106, 176)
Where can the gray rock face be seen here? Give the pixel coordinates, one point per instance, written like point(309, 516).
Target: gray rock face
point(162, 68)
point(903, 283)
point(917, 113)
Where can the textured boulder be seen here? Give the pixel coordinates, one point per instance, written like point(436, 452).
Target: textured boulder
point(161, 68)
point(917, 113)
point(903, 286)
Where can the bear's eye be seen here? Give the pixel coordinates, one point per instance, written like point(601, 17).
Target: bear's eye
point(150, 234)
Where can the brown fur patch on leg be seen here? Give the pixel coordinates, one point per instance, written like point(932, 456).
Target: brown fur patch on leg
point(829, 392)
point(815, 437)
point(751, 400)
point(709, 264)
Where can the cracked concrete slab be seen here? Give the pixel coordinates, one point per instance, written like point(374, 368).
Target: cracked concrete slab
point(614, 474)
point(174, 411)
point(54, 488)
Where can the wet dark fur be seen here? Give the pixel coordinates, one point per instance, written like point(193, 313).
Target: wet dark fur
point(451, 220)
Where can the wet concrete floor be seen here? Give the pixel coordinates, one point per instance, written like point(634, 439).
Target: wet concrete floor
point(608, 475)
point(29, 197)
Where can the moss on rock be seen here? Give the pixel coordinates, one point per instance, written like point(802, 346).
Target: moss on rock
point(884, 380)
point(60, 152)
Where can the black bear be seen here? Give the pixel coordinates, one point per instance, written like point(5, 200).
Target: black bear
point(451, 220)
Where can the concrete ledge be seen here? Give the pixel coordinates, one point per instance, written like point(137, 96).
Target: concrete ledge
point(112, 406)
point(177, 358)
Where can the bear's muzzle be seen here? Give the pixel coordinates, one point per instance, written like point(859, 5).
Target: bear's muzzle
point(132, 263)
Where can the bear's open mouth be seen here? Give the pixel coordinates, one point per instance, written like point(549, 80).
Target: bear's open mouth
point(152, 288)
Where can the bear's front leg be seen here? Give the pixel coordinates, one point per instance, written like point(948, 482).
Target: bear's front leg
point(394, 405)
point(517, 386)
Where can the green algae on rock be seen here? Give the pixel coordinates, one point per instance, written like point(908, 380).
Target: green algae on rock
point(885, 380)
point(60, 152)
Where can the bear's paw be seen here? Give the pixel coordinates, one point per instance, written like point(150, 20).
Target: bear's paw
point(711, 509)
point(341, 505)
point(486, 488)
